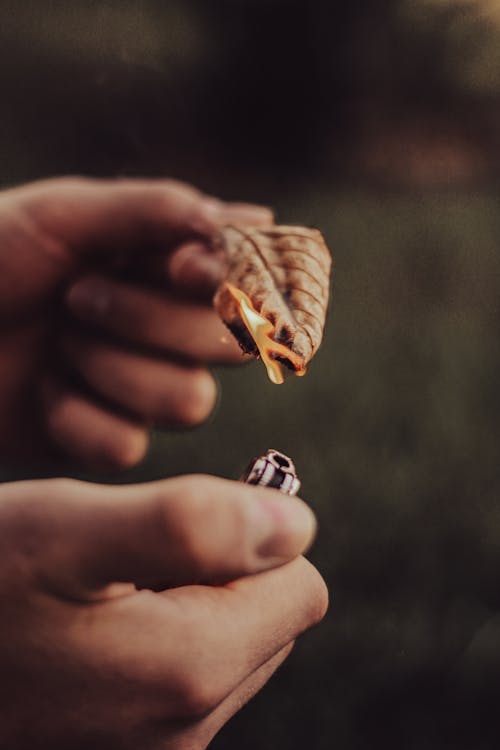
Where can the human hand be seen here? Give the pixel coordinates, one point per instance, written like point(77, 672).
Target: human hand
point(90, 661)
point(135, 350)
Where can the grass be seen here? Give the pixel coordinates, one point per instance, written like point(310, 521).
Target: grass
point(394, 433)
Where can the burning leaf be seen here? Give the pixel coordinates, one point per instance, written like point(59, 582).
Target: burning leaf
point(275, 295)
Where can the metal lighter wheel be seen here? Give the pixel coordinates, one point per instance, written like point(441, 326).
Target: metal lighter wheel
point(273, 469)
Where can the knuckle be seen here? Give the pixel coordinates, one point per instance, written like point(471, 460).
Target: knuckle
point(209, 533)
point(191, 521)
point(195, 701)
point(185, 520)
point(194, 694)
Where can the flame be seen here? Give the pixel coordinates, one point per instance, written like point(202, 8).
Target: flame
point(261, 330)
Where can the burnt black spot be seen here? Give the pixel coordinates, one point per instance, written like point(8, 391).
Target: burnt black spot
point(287, 363)
point(243, 337)
point(284, 336)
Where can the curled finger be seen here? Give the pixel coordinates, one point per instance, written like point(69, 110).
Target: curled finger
point(153, 389)
point(201, 732)
point(90, 434)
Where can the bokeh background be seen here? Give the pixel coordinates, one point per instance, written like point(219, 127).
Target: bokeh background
point(379, 123)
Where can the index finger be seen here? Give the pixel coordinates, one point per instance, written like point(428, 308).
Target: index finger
point(174, 531)
point(128, 214)
point(250, 619)
point(219, 635)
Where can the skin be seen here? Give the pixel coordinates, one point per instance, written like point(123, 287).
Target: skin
point(90, 661)
point(142, 616)
point(106, 323)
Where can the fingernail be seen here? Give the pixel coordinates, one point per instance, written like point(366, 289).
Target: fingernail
point(89, 297)
point(248, 213)
point(221, 213)
point(194, 266)
point(286, 527)
point(212, 208)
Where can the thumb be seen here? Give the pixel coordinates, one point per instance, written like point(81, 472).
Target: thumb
point(130, 214)
point(50, 228)
point(177, 531)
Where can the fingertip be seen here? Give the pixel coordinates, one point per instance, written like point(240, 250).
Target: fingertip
point(127, 449)
point(196, 268)
point(94, 437)
point(200, 400)
point(292, 526)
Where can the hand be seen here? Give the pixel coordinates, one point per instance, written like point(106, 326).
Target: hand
point(89, 661)
point(137, 254)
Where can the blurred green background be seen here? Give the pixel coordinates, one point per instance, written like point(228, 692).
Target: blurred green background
point(378, 122)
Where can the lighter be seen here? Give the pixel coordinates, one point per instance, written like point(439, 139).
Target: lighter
point(273, 469)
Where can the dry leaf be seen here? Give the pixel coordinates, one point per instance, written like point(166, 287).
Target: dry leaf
point(285, 272)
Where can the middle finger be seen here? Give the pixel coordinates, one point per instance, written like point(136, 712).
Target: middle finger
point(148, 319)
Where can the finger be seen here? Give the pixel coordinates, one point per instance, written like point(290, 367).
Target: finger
point(202, 733)
point(148, 319)
point(154, 390)
point(195, 269)
point(179, 530)
point(91, 435)
point(89, 214)
point(232, 630)
point(246, 214)
point(217, 636)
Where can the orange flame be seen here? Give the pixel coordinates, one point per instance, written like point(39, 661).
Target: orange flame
point(261, 330)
